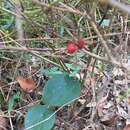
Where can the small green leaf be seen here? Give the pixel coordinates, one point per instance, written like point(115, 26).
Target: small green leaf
point(61, 89)
point(39, 113)
point(12, 101)
point(100, 66)
point(62, 30)
point(74, 69)
point(50, 72)
point(1, 100)
point(105, 23)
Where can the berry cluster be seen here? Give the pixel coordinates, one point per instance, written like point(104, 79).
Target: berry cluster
point(72, 47)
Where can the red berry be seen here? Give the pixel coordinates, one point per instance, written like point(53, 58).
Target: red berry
point(80, 43)
point(71, 47)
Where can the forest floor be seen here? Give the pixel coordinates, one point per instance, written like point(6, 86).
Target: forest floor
point(86, 42)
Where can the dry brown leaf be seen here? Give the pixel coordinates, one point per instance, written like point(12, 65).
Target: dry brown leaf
point(111, 121)
point(3, 123)
point(26, 84)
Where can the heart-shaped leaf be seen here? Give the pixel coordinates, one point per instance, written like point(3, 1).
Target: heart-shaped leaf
point(60, 90)
point(39, 113)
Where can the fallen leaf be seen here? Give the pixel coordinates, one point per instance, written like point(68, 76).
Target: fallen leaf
point(111, 121)
point(3, 123)
point(27, 85)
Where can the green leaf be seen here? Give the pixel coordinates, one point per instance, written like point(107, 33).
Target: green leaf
point(74, 69)
point(12, 101)
point(100, 66)
point(51, 72)
point(1, 100)
point(62, 30)
point(7, 19)
point(61, 89)
point(37, 114)
point(105, 23)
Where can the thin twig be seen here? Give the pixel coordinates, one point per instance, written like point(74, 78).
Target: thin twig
point(100, 58)
point(34, 53)
point(66, 8)
point(36, 124)
point(10, 120)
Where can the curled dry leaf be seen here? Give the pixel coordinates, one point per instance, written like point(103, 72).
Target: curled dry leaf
point(111, 121)
point(106, 111)
point(26, 84)
point(3, 123)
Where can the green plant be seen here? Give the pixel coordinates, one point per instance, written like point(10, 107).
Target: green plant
point(61, 89)
point(124, 95)
point(12, 101)
point(37, 114)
